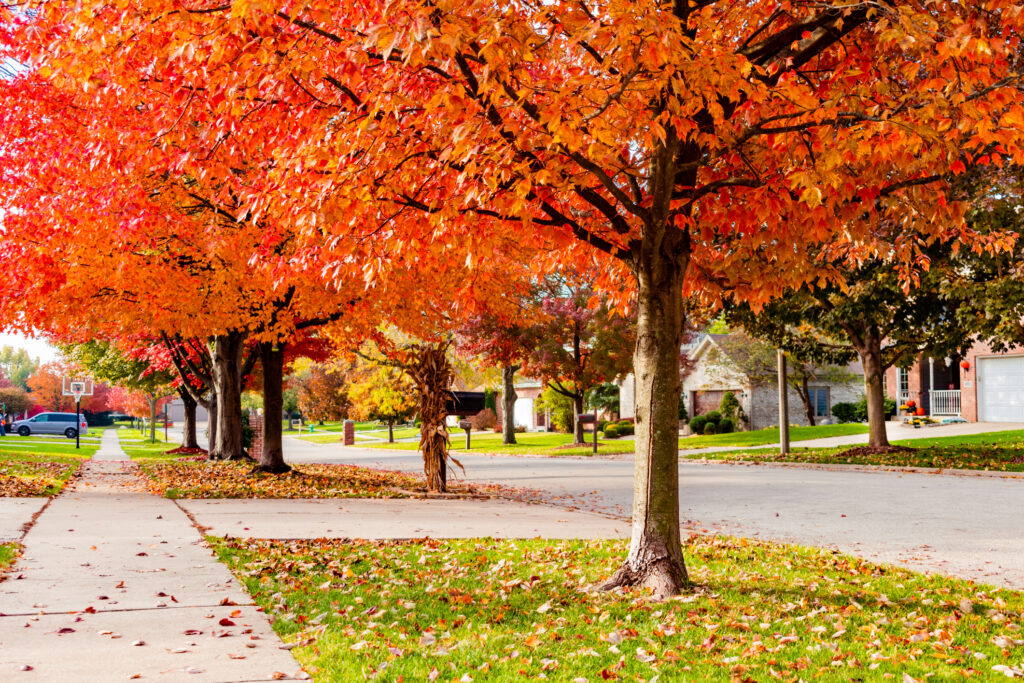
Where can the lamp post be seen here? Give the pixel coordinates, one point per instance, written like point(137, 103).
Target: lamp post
point(783, 405)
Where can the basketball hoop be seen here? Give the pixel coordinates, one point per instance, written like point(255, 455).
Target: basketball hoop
point(77, 388)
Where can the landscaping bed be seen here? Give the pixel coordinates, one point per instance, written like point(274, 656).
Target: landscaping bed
point(35, 474)
point(190, 478)
point(483, 609)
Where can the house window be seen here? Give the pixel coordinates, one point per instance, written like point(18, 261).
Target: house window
point(819, 399)
point(904, 381)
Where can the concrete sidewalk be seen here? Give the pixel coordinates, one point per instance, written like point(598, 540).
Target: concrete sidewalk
point(116, 583)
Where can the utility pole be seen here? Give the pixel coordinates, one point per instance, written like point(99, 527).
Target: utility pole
point(783, 405)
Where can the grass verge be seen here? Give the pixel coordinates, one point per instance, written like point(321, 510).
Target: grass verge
point(527, 443)
point(8, 554)
point(771, 435)
point(993, 451)
point(24, 475)
point(492, 610)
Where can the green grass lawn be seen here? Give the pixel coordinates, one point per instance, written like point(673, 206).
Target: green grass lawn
point(996, 451)
point(8, 554)
point(527, 443)
point(26, 474)
point(365, 436)
point(140, 447)
point(489, 610)
point(52, 446)
point(771, 435)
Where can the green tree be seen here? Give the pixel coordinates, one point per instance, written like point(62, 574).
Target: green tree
point(17, 366)
point(868, 313)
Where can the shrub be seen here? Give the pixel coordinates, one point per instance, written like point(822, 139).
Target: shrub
point(627, 421)
point(611, 432)
point(713, 416)
point(731, 408)
point(697, 424)
point(519, 429)
point(710, 428)
point(845, 412)
point(601, 424)
point(484, 420)
point(625, 429)
point(726, 426)
point(683, 415)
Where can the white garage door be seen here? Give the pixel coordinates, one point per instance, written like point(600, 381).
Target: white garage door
point(523, 414)
point(1001, 389)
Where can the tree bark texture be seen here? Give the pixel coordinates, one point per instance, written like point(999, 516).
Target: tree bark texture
point(271, 458)
point(577, 410)
point(211, 426)
point(227, 382)
point(431, 372)
point(508, 404)
point(189, 437)
point(804, 392)
point(152, 418)
point(655, 559)
point(391, 432)
point(874, 370)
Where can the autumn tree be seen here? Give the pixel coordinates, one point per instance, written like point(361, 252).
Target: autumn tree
point(382, 393)
point(678, 140)
point(321, 391)
point(46, 387)
point(17, 366)
point(15, 400)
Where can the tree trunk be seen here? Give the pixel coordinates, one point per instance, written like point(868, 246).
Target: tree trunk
point(211, 425)
point(152, 418)
point(804, 392)
point(391, 432)
point(508, 404)
point(577, 410)
point(655, 557)
point(271, 459)
point(188, 426)
point(227, 381)
point(871, 358)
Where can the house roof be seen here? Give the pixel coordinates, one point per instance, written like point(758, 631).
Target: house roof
point(709, 341)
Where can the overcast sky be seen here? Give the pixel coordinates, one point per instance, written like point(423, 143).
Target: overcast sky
point(37, 348)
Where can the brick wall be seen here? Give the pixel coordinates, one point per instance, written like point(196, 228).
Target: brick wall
point(256, 422)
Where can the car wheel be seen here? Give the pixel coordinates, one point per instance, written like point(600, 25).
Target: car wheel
point(70, 432)
point(24, 431)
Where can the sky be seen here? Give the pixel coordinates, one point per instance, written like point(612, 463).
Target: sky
point(37, 348)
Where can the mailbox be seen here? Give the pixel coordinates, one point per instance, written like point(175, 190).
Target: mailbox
point(464, 402)
point(586, 418)
point(465, 424)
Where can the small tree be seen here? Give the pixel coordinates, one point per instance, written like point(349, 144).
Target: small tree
point(15, 399)
point(383, 393)
point(321, 391)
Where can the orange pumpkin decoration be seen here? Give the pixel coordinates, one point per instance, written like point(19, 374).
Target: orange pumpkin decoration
point(920, 411)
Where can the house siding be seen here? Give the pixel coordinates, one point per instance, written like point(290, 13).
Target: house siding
point(765, 411)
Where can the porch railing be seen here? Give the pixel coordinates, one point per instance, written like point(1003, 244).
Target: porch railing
point(946, 402)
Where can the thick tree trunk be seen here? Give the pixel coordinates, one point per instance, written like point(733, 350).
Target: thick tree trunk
point(871, 358)
point(227, 380)
point(577, 410)
point(189, 438)
point(271, 459)
point(804, 392)
point(211, 426)
point(655, 557)
point(391, 432)
point(508, 404)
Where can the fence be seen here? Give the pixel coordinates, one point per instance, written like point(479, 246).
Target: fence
point(946, 402)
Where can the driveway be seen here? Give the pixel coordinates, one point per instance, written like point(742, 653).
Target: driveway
point(962, 525)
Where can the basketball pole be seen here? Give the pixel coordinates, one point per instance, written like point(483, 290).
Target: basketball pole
point(78, 421)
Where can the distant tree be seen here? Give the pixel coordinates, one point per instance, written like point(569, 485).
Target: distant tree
point(758, 360)
point(15, 400)
point(604, 396)
point(17, 366)
point(320, 390)
point(383, 393)
point(869, 313)
point(290, 402)
point(46, 387)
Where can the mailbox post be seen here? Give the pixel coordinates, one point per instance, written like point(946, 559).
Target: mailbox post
point(468, 426)
point(591, 419)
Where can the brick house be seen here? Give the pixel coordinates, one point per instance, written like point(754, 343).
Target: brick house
point(526, 412)
point(709, 378)
point(982, 386)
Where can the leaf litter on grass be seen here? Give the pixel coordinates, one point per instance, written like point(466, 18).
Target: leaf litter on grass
point(484, 609)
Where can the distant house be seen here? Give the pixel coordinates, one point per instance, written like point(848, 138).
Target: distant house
point(712, 373)
point(527, 413)
point(982, 386)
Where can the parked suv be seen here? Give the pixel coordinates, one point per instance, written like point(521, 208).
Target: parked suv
point(51, 423)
